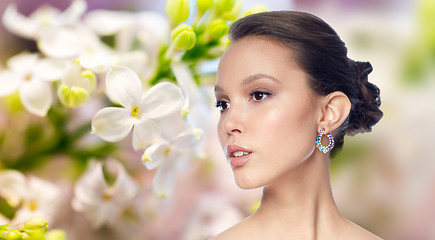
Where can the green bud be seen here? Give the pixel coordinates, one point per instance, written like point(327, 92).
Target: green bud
point(224, 5)
point(72, 97)
point(234, 13)
point(218, 28)
point(177, 10)
point(183, 37)
point(204, 5)
point(253, 10)
point(35, 226)
point(55, 235)
point(14, 235)
point(4, 227)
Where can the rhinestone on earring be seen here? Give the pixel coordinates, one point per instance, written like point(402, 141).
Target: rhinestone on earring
point(319, 145)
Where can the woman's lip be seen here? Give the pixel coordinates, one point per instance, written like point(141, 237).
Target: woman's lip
point(236, 148)
point(237, 161)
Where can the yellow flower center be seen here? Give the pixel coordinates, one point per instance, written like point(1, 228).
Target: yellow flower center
point(28, 77)
point(106, 197)
point(166, 152)
point(134, 111)
point(32, 205)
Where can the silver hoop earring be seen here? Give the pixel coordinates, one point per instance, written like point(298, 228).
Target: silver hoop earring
point(319, 145)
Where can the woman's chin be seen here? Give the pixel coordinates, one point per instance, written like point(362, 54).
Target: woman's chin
point(247, 183)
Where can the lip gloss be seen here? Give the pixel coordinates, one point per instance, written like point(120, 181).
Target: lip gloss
point(240, 160)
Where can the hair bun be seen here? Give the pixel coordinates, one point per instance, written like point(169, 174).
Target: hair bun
point(366, 112)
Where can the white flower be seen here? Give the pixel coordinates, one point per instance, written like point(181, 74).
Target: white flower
point(41, 19)
point(13, 187)
point(77, 42)
point(170, 157)
point(93, 53)
point(42, 199)
point(59, 34)
point(212, 214)
point(199, 98)
point(60, 42)
point(139, 110)
point(30, 197)
point(106, 22)
point(197, 108)
point(31, 76)
point(100, 202)
point(148, 28)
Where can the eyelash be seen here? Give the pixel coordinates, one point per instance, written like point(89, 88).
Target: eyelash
point(223, 105)
point(263, 95)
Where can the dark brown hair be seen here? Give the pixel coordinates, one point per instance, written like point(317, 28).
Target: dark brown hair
point(322, 55)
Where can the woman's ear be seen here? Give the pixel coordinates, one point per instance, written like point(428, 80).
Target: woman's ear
point(335, 109)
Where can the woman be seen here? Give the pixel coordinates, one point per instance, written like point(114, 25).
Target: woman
point(288, 94)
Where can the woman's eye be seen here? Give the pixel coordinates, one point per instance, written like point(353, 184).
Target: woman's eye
point(258, 96)
point(222, 105)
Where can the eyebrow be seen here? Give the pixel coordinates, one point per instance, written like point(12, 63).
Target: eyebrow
point(252, 78)
point(255, 77)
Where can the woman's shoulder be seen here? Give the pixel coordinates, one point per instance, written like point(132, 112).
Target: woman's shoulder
point(238, 231)
point(348, 230)
point(357, 232)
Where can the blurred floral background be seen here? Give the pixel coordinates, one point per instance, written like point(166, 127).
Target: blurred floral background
point(107, 124)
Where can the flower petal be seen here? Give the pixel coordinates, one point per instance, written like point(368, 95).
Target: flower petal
point(98, 201)
point(23, 63)
point(112, 124)
point(124, 188)
point(9, 83)
point(73, 12)
point(18, 23)
point(164, 180)
point(163, 99)
point(45, 16)
point(105, 22)
point(42, 198)
point(186, 140)
point(14, 188)
point(138, 61)
point(171, 125)
point(59, 42)
point(36, 97)
point(154, 28)
point(154, 155)
point(44, 193)
point(185, 79)
point(50, 69)
point(89, 188)
point(72, 75)
point(144, 132)
point(124, 86)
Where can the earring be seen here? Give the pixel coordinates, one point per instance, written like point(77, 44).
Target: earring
point(319, 145)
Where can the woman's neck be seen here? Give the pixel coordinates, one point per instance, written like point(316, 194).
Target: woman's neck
point(300, 204)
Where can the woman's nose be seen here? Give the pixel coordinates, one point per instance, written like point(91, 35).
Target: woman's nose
point(233, 122)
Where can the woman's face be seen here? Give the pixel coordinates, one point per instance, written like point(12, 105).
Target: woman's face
point(268, 122)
